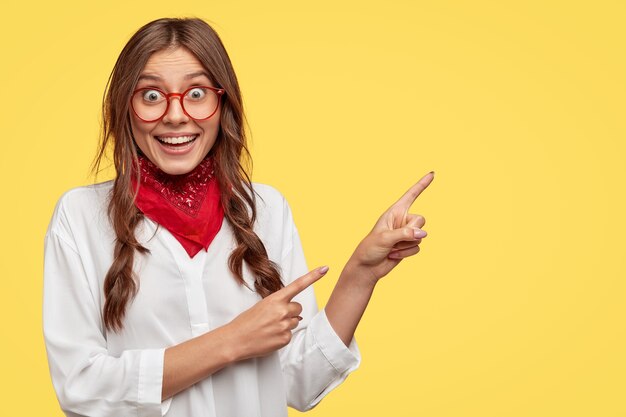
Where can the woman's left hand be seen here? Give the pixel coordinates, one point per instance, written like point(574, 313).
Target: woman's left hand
point(396, 235)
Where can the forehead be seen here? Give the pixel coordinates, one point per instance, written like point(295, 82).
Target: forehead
point(172, 64)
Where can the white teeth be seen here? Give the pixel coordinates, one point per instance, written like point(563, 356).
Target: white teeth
point(176, 140)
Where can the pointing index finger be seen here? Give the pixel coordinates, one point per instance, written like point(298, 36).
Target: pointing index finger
point(411, 195)
point(300, 284)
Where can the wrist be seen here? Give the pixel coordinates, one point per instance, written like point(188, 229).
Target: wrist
point(358, 275)
point(232, 346)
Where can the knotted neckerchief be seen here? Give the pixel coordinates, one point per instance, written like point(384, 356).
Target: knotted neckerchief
point(187, 205)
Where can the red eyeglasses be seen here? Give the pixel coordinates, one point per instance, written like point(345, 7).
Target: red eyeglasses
point(199, 102)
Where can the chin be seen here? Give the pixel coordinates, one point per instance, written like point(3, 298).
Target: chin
point(178, 168)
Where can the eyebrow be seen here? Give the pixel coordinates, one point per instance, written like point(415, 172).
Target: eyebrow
point(187, 77)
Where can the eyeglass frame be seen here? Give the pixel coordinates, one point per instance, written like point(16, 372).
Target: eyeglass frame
point(219, 91)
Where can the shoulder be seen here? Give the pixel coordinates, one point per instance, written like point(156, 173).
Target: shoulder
point(273, 211)
point(80, 205)
point(268, 197)
point(272, 202)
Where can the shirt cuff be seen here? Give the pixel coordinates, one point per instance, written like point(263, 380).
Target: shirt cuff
point(151, 384)
point(344, 359)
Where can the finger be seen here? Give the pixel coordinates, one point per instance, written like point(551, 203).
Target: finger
point(406, 245)
point(415, 220)
point(300, 284)
point(390, 238)
point(294, 309)
point(411, 195)
point(401, 254)
point(293, 323)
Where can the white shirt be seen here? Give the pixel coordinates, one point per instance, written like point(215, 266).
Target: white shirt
point(100, 373)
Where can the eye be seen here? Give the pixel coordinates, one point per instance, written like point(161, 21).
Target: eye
point(152, 96)
point(197, 93)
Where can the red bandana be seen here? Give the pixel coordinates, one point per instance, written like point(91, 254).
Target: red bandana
point(187, 205)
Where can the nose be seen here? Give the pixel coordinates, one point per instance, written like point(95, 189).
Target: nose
point(175, 113)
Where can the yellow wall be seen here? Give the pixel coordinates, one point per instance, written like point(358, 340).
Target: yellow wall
point(514, 307)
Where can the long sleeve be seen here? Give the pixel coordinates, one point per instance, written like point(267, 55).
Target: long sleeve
point(316, 360)
point(87, 380)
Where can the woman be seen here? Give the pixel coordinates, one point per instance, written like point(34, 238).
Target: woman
point(149, 307)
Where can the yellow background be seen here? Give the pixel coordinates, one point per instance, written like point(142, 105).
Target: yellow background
point(515, 305)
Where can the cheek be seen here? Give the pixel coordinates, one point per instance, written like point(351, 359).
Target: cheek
point(215, 121)
point(141, 133)
point(213, 125)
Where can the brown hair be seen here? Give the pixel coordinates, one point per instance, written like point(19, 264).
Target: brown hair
point(237, 199)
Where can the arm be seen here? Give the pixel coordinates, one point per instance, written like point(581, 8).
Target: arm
point(348, 302)
point(188, 362)
point(87, 378)
point(316, 360)
point(396, 235)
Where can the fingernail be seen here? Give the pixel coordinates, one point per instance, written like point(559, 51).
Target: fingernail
point(419, 233)
point(323, 270)
point(432, 172)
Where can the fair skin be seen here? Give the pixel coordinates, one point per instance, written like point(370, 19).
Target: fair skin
point(267, 326)
point(175, 70)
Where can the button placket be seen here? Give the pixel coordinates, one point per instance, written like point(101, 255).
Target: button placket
point(192, 276)
point(190, 270)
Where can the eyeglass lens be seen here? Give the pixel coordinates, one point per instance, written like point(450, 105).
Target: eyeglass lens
point(198, 102)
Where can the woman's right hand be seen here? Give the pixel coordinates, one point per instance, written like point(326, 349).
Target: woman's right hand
point(266, 326)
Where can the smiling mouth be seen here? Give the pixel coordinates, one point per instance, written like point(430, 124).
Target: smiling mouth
point(176, 141)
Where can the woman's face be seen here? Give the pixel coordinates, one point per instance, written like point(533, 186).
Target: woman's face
point(174, 71)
